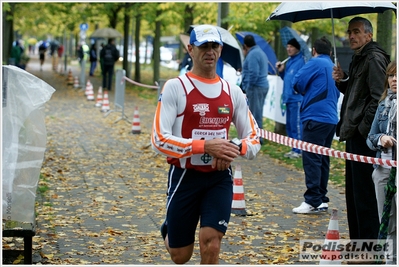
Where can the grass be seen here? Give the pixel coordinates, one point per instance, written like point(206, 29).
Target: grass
point(277, 151)
point(274, 150)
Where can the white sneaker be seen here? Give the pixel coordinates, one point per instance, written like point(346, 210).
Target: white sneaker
point(305, 208)
point(288, 155)
point(295, 155)
point(323, 207)
point(292, 155)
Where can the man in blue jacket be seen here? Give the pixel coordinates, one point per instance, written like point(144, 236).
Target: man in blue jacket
point(319, 117)
point(292, 99)
point(254, 78)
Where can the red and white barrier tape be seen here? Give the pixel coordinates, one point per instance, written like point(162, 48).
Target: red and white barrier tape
point(140, 84)
point(287, 141)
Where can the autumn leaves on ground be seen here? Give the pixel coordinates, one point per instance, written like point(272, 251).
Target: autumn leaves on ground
point(101, 196)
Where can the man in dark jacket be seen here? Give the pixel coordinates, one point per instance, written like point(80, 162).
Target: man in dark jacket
point(362, 88)
point(93, 59)
point(109, 55)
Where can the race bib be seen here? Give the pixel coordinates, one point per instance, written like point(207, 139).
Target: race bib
point(200, 134)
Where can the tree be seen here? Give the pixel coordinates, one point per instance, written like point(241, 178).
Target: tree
point(224, 13)
point(8, 30)
point(126, 24)
point(157, 45)
point(384, 32)
point(137, 47)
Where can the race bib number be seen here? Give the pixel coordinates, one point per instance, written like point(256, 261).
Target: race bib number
point(200, 134)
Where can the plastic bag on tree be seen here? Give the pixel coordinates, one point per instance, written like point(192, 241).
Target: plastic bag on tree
point(24, 141)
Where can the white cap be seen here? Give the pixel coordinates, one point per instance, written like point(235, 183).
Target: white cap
point(204, 34)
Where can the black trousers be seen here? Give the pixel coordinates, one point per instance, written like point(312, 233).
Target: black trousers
point(360, 196)
point(107, 76)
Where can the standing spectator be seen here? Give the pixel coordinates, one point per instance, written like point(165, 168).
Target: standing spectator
point(110, 55)
point(54, 53)
point(191, 127)
point(42, 53)
point(16, 53)
point(83, 52)
point(319, 118)
point(93, 59)
point(292, 99)
point(254, 78)
point(362, 88)
point(102, 60)
point(382, 138)
point(60, 52)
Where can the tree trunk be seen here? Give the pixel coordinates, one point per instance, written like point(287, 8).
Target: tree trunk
point(126, 24)
point(8, 32)
point(137, 52)
point(188, 21)
point(224, 12)
point(315, 35)
point(157, 44)
point(384, 32)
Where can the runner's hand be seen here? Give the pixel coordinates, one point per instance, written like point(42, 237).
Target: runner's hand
point(220, 165)
point(221, 149)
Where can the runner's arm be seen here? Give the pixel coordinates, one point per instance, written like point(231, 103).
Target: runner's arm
point(245, 124)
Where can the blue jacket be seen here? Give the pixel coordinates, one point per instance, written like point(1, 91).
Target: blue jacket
point(320, 95)
point(378, 128)
point(255, 69)
point(291, 68)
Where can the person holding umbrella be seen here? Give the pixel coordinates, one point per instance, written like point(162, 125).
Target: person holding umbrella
point(362, 87)
point(292, 99)
point(109, 55)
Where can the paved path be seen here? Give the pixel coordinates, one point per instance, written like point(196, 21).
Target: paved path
point(106, 191)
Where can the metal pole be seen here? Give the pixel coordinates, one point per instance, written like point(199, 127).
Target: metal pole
point(82, 73)
point(333, 38)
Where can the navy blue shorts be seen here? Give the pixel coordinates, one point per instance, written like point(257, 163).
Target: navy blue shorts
point(194, 196)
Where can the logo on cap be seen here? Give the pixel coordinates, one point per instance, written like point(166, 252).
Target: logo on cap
point(204, 34)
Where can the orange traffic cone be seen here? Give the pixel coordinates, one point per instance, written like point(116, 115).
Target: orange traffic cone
point(90, 93)
point(105, 106)
point(76, 82)
point(70, 78)
point(136, 128)
point(88, 84)
point(99, 100)
point(330, 255)
point(238, 204)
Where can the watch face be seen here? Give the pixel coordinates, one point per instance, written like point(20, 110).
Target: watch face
point(236, 141)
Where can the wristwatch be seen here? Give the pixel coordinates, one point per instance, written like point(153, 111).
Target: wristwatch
point(237, 142)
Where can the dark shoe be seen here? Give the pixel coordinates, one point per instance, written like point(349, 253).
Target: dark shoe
point(164, 230)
